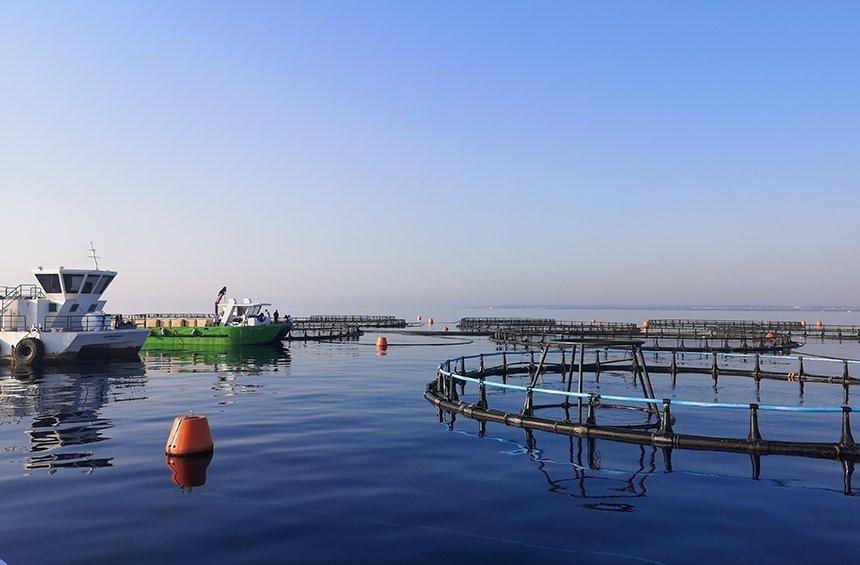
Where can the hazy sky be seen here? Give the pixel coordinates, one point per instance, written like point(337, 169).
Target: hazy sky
point(429, 153)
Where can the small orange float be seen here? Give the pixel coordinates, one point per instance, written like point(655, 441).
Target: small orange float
point(190, 435)
point(381, 343)
point(819, 324)
point(646, 325)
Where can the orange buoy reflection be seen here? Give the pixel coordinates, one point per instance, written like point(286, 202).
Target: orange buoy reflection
point(190, 471)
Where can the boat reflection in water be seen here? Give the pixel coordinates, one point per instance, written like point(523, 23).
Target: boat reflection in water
point(246, 359)
point(229, 365)
point(65, 411)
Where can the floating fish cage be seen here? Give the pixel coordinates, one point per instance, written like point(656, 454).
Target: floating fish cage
point(663, 328)
point(491, 324)
point(321, 331)
point(802, 329)
point(360, 321)
point(546, 390)
point(732, 342)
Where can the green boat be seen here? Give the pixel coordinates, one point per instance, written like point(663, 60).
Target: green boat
point(237, 323)
point(213, 335)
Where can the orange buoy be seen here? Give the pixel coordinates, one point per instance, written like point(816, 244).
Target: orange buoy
point(381, 343)
point(803, 323)
point(768, 335)
point(646, 325)
point(187, 472)
point(190, 435)
point(819, 324)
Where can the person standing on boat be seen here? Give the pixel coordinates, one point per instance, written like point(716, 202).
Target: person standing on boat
point(221, 294)
point(275, 316)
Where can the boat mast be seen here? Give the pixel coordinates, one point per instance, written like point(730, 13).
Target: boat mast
point(93, 256)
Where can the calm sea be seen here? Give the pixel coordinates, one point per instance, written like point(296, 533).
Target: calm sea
point(328, 452)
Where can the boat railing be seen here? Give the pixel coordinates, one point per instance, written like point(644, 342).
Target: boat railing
point(13, 323)
point(21, 292)
point(88, 322)
point(9, 294)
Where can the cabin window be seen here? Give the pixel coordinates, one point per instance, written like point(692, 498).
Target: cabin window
point(92, 307)
point(103, 283)
point(74, 308)
point(73, 283)
point(89, 283)
point(52, 306)
point(51, 283)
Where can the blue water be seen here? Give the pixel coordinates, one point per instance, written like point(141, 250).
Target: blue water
point(329, 452)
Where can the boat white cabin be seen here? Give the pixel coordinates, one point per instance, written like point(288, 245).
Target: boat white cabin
point(243, 312)
point(62, 317)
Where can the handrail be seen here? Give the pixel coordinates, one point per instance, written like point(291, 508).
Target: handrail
point(13, 322)
point(85, 322)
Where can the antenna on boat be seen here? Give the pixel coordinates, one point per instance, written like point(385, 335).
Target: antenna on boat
point(94, 257)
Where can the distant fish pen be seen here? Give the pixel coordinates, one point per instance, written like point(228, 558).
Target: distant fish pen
point(680, 337)
point(715, 343)
point(338, 328)
point(587, 414)
point(323, 332)
point(663, 328)
point(360, 321)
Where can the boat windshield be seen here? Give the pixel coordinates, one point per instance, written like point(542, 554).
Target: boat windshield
point(103, 283)
point(72, 283)
point(50, 283)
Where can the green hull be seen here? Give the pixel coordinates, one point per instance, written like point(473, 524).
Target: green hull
point(213, 336)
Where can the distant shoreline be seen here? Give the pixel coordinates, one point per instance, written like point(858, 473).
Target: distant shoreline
point(740, 308)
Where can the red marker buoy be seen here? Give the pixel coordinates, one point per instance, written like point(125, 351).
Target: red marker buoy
point(381, 343)
point(190, 435)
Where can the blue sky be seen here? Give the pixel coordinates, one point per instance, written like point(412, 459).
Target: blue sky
point(409, 153)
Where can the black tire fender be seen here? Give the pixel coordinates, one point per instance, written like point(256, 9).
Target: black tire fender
point(29, 351)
